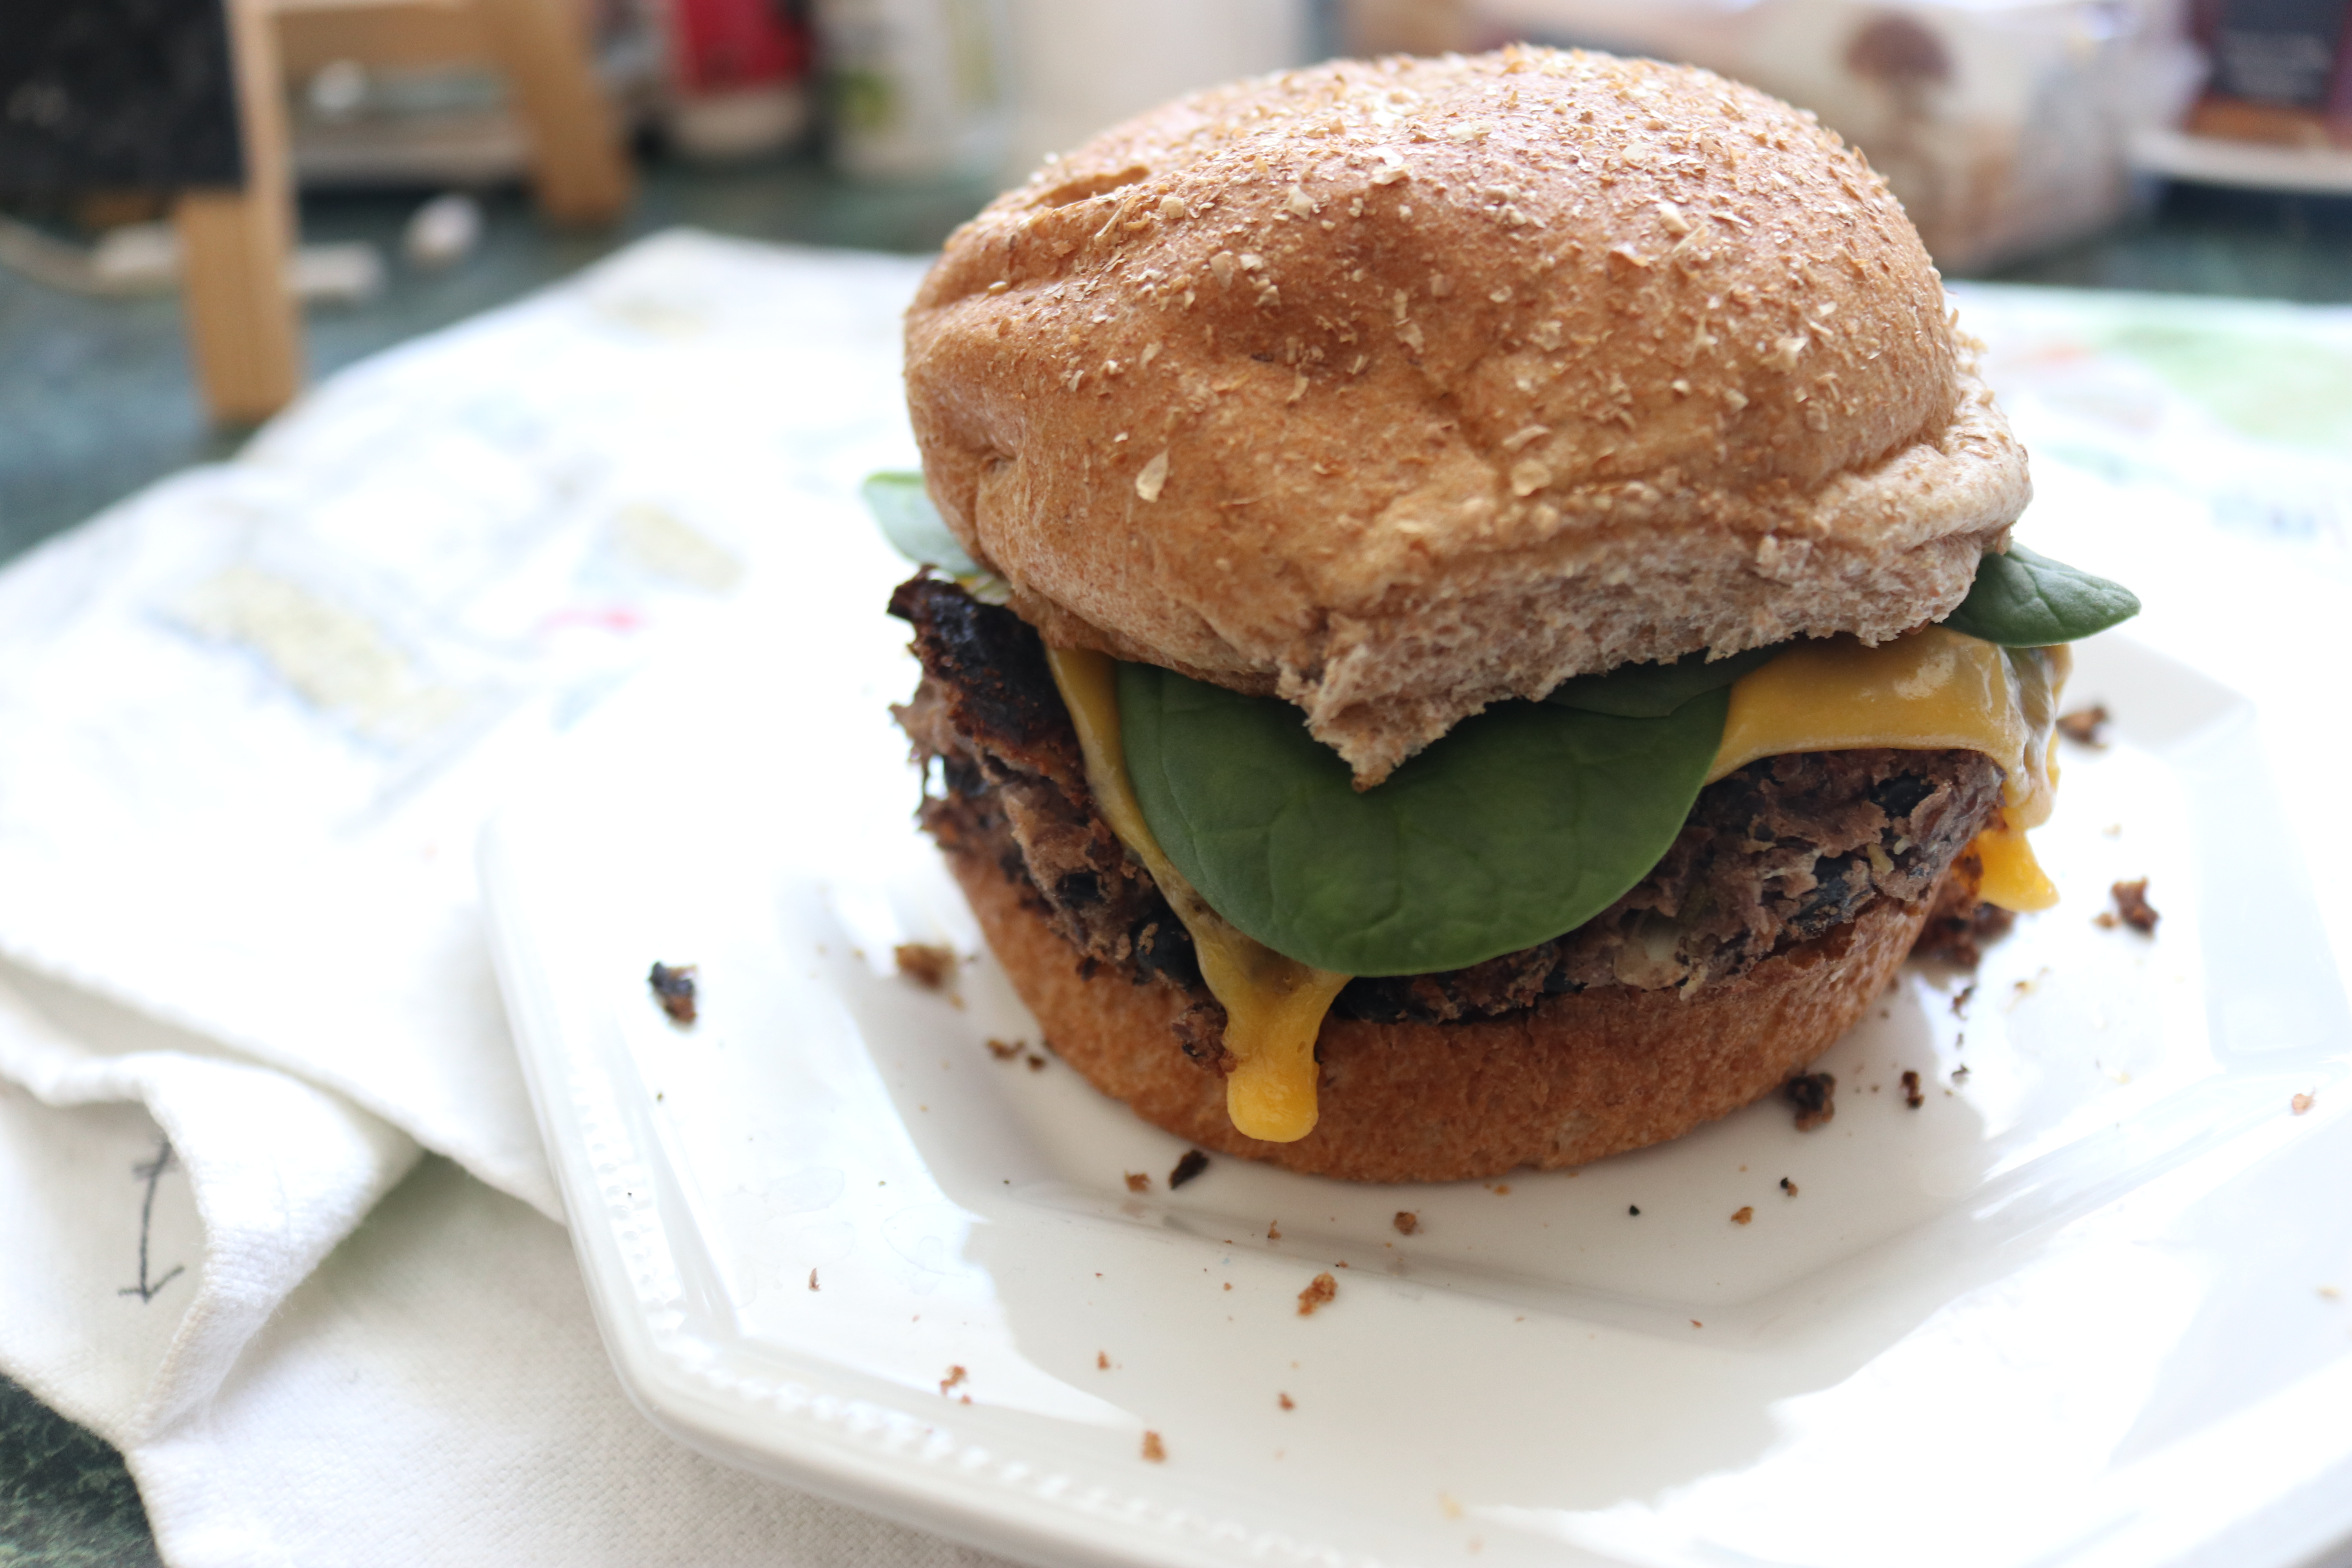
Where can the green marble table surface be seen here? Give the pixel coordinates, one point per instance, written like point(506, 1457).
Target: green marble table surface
point(96, 402)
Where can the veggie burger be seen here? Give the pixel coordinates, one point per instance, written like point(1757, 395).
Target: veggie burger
point(1473, 620)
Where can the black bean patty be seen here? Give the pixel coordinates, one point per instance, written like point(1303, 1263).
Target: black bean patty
point(1780, 852)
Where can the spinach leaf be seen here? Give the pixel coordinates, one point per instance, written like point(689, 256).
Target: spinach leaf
point(1522, 823)
point(913, 525)
point(2024, 599)
point(1654, 691)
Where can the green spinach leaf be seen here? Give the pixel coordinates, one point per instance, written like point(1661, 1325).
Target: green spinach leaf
point(1522, 823)
point(1654, 691)
point(913, 525)
point(2024, 599)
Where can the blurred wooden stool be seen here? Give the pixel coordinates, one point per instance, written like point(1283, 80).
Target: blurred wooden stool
point(245, 331)
point(245, 328)
point(540, 46)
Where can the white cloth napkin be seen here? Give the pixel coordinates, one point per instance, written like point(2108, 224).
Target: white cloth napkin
point(251, 720)
point(433, 1392)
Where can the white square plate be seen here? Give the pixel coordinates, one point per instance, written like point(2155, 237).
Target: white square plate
point(2077, 1306)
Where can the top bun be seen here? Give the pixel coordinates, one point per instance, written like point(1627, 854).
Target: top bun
point(1399, 389)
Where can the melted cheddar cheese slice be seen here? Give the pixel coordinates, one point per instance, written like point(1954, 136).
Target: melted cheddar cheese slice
point(1932, 691)
point(1274, 1006)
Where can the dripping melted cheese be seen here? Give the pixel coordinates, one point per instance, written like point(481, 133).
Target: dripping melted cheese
point(1929, 691)
point(1274, 1006)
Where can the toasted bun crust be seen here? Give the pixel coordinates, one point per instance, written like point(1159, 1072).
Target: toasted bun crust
point(1401, 388)
point(1574, 1078)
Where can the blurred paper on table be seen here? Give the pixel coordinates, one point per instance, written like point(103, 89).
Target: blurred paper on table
point(2202, 448)
point(2239, 408)
point(275, 694)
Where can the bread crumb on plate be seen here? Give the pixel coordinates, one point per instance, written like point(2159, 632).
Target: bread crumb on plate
point(928, 965)
point(1814, 1094)
point(673, 988)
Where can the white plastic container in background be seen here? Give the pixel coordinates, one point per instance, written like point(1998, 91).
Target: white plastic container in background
point(915, 90)
point(1081, 65)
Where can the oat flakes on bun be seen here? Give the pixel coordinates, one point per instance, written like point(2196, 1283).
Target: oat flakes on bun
point(1476, 621)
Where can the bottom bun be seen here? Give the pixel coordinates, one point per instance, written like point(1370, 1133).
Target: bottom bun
point(1571, 1079)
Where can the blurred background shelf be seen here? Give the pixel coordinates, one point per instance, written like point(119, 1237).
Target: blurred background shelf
point(2244, 165)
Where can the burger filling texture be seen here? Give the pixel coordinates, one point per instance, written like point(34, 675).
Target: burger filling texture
point(1655, 827)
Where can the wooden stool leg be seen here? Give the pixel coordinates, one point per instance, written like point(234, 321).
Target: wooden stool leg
point(576, 162)
point(245, 331)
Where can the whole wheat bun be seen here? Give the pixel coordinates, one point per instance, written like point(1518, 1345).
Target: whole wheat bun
point(1573, 1078)
point(1400, 388)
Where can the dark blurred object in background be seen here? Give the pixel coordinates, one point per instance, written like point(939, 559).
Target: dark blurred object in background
point(2281, 71)
point(113, 112)
point(127, 95)
point(2276, 114)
